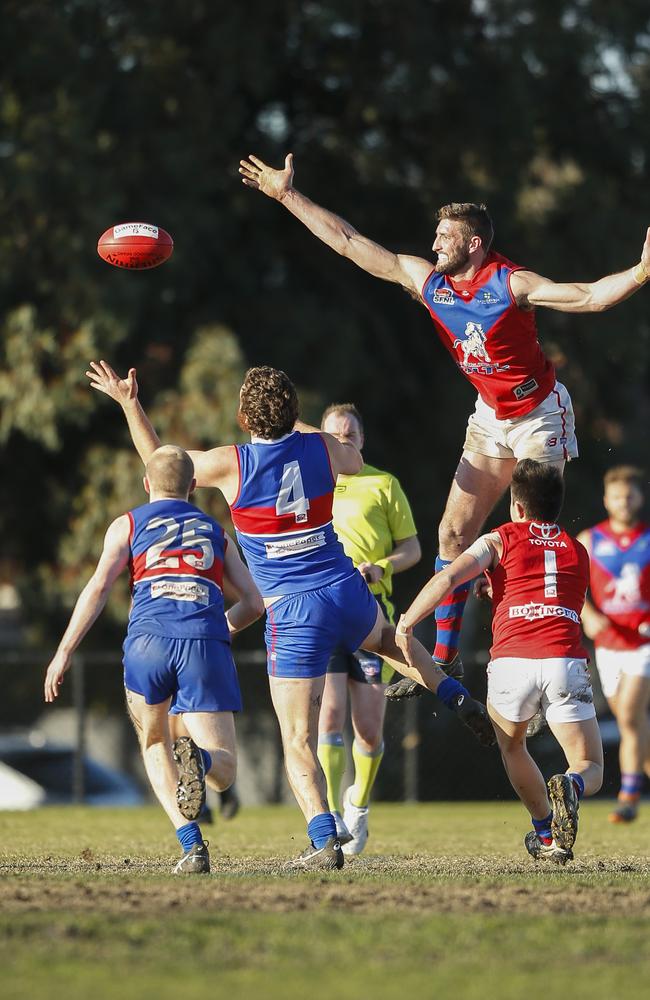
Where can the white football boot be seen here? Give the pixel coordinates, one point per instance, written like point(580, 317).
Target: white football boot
point(356, 820)
point(342, 831)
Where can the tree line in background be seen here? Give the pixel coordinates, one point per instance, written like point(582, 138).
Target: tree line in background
point(112, 111)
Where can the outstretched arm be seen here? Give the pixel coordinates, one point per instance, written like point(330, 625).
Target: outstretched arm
point(531, 289)
point(411, 272)
point(216, 467)
point(481, 555)
point(125, 392)
point(90, 602)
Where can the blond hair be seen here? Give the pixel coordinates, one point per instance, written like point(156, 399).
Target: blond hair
point(625, 474)
point(170, 471)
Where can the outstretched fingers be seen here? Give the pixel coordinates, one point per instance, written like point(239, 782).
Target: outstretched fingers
point(105, 379)
point(250, 173)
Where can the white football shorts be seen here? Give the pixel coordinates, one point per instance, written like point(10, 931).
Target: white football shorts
point(546, 434)
point(560, 686)
point(611, 663)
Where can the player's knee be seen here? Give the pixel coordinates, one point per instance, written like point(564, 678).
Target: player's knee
point(511, 745)
point(151, 736)
point(453, 535)
point(628, 716)
point(297, 742)
point(597, 780)
point(368, 734)
point(223, 771)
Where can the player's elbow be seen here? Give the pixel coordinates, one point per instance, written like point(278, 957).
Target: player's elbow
point(415, 551)
point(351, 461)
point(256, 605)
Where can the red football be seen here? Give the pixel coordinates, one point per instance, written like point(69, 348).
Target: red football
point(135, 245)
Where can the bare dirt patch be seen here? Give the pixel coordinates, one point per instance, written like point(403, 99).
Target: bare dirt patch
point(415, 884)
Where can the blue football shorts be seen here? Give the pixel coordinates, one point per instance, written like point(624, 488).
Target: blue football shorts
point(303, 629)
point(199, 675)
point(360, 665)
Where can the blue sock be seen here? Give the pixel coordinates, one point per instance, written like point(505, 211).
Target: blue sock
point(542, 827)
point(321, 828)
point(449, 690)
point(578, 783)
point(189, 835)
point(207, 760)
point(631, 783)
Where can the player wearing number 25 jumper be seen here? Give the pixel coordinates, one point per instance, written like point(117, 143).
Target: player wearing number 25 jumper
point(280, 490)
point(177, 651)
point(538, 578)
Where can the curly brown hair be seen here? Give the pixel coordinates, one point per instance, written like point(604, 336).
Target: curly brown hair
point(268, 403)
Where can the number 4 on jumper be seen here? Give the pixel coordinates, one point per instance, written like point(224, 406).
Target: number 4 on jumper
point(291, 498)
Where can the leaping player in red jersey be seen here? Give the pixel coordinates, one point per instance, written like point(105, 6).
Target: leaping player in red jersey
point(617, 618)
point(538, 577)
point(482, 307)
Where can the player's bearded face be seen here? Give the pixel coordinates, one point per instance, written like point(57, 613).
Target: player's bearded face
point(453, 254)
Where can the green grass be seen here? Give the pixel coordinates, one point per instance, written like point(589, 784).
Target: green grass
point(443, 904)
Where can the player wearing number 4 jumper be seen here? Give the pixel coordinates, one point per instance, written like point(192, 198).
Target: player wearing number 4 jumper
point(617, 618)
point(483, 310)
point(280, 491)
point(177, 656)
point(538, 577)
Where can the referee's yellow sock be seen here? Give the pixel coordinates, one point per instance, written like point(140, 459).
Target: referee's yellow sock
point(366, 766)
point(332, 757)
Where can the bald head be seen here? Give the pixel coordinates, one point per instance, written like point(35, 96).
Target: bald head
point(170, 472)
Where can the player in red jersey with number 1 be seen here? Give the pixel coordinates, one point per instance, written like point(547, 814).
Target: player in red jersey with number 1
point(538, 577)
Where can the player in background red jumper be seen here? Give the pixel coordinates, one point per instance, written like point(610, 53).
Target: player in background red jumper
point(538, 577)
point(617, 618)
point(482, 307)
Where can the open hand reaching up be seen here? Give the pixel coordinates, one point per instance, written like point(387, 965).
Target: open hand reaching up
point(103, 378)
point(271, 182)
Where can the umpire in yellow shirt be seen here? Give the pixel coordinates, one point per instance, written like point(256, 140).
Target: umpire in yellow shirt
point(373, 520)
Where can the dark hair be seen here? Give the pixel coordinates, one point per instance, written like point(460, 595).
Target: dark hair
point(539, 488)
point(342, 409)
point(628, 474)
point(475, 219)
point(268, 405)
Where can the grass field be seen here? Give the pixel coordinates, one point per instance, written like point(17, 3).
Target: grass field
point(444, 903)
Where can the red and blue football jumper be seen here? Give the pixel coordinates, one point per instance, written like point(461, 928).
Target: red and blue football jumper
point(178, 643)
point(620, 583)
point(493, 341)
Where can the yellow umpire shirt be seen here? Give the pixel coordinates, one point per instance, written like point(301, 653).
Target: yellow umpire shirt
point(370, 514)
